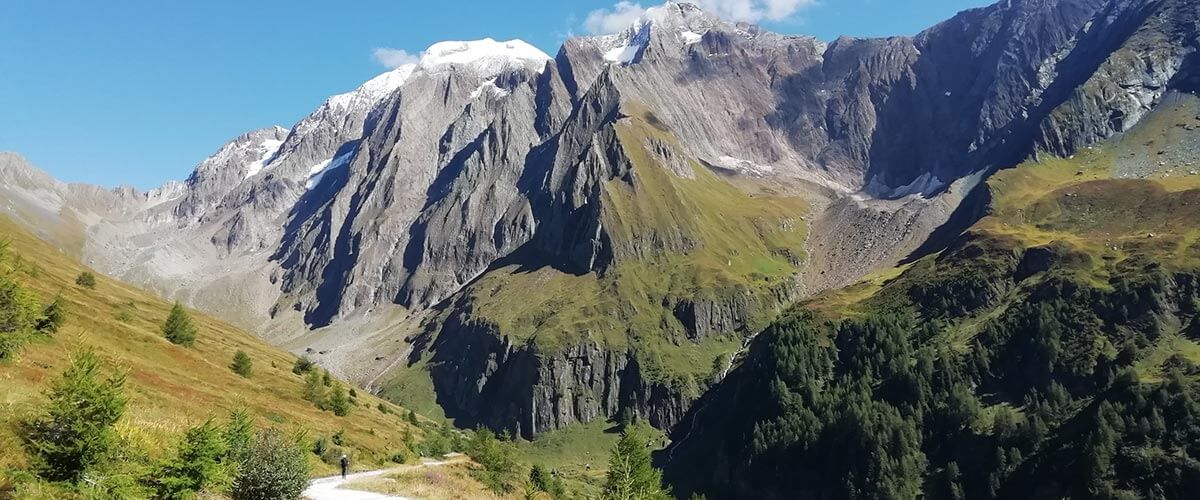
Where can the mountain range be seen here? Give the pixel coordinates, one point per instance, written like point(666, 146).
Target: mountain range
point(528, 242)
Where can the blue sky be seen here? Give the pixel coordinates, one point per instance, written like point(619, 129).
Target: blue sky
point(138, 91)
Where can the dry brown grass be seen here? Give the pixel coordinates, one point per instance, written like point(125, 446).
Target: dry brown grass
point(170, 387)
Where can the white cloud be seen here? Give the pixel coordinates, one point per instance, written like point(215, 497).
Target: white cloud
point(624, 13)
point(394, 58)
point(619, 17)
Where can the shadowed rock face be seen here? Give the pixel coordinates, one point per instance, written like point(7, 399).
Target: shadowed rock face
point(411, 187)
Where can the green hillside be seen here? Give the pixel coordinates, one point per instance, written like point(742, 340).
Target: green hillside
point(1051, 351)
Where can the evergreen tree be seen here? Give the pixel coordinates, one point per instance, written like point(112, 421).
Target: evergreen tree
point(412, 418)
point(53, 317)
point(239, 435)
point(954, 489)
point(19, 310)
point(338, 402)
point(1098, 454)
point(75, 431)
point(497, 458)
point(178, 328)
point(197, 465)
point(314, 390)
point(630, 474)
point(242, 364)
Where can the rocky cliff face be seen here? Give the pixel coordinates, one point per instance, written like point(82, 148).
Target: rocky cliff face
point(483, 379)
point(663, 189)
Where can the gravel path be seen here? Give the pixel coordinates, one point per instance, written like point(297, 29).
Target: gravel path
point(329, 488)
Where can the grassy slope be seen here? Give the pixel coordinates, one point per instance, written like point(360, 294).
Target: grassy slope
point(170, 387)
point(1084, 207)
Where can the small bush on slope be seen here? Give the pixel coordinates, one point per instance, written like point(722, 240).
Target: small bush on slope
point(242, 364)
point(275, 469)
point(87, 280)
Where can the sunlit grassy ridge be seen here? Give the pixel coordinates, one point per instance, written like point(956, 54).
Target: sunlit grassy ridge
point(171, 388)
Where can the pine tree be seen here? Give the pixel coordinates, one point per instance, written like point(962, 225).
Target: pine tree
point(242, 364)
point(178, 327)
point(53, 317)
point(314, 390)
point(338, 402)
point(630, 474)
point(197, 465)
point(239, 435)
point(19, 310)
point(75, 432)
point(412, 418)
point(954, 489)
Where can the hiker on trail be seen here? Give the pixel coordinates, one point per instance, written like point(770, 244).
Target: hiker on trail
point(345, 466)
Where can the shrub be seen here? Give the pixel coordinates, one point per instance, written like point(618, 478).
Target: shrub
point(275, 469)
point(197, 466)
point(178, 328)
point(87, 280)
point(383, 408)
point(53, 317)
point(320, 446)
point(75, 432)
point(339, 437)
point(326, 378)
point(242, 364)
point(412, 418)
point(542, 480)
point(303, 365)
point(126, 312)
point(399, 457)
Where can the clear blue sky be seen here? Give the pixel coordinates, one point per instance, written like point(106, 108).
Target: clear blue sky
point(138, 91)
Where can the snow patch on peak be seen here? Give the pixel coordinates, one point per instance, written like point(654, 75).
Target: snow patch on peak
point(489, 86)
point(690, 37)
point(374, 89)
point(488, 57)
point(318, 171)
point(269, 147)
